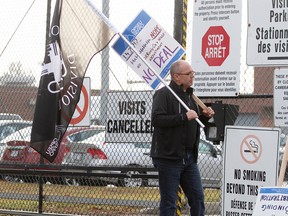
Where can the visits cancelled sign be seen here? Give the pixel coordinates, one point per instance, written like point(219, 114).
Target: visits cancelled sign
point(129, 116)
point(267, 32)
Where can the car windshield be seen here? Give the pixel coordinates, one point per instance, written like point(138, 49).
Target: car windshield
point(22, 134)
point(282, 140)
point(9, 116)
point(8, 128)
point(206, 148)
point(142, 145)
point(83, 135)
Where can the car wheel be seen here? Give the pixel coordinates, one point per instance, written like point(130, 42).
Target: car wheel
point(71, 181)
point(9, 178)
point(132, 182)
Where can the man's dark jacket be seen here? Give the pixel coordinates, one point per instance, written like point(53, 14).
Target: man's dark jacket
point(171, 124)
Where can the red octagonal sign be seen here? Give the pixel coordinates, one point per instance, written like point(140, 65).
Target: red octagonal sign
point(215, 45)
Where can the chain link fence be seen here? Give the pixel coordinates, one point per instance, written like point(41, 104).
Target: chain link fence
point(103, 169)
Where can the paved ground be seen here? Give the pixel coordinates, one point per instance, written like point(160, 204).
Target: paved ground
point(212, 209)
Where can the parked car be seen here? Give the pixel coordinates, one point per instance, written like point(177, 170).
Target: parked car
point(210, 164)
point(10, 116)
point(137, 155)
point(18, 149)
point(87, 147)
point(282, 145)
point(8, 127)
point(110, 155)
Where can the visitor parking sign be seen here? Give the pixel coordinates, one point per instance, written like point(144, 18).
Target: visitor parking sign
point(267, 32)
point(250, 162)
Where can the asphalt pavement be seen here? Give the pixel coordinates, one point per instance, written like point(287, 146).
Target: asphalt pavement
point(211, 209)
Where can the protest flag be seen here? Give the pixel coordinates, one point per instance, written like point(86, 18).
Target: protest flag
point(76, 34)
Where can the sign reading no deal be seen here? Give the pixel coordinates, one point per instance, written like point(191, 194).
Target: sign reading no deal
point(216, 47)
point(281, 97)
point(154, 44)
point(267, 32)
point(246, 166)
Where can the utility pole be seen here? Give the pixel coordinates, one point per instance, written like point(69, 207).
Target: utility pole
point(105, 73)
point(179, 34)
point(178, 20)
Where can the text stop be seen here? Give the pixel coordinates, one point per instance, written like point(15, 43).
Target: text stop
point(215, 46)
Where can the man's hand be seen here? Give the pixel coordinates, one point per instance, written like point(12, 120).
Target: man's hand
point(208, 112)
point(191, 114)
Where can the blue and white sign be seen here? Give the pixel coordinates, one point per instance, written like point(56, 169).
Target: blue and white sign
point(272, 201)
point(155, 46)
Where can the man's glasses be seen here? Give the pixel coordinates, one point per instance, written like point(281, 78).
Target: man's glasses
point(190, 73)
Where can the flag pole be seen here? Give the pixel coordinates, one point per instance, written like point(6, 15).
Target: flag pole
point(41, 160)
point(108, 23)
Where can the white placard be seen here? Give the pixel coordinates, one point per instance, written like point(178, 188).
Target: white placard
point(153, 43)
point(246, 166)
point(267, 32)
point(272, 201)
point(280, 98)
point(129, 116)
point(216, 47)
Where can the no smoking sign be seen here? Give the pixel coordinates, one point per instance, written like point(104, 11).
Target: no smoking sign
point(81, 116)
point(215, 45)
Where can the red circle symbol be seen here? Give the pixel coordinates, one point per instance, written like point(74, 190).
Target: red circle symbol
point(83, 109)
point(251, 149)
point(215, 45)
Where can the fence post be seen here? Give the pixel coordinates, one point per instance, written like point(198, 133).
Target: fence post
point(180, 23)
point(40, 197)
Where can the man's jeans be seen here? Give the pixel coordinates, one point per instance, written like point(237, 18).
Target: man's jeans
point(186, 173)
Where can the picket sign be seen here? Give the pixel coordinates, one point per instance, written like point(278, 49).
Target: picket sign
point(283, 165)
point(274, 200)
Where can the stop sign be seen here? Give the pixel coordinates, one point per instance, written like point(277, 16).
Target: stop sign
point(215, 45)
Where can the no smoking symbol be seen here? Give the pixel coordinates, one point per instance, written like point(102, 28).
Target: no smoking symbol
point(81, 111)
point(251, 149)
